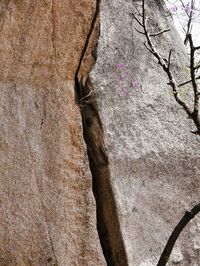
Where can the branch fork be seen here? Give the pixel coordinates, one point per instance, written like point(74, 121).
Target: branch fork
point(166, 63)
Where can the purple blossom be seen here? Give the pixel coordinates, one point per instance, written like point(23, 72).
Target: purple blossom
point(135, 82)
point(121, 65)
point(187, 7)
point(173, 9)
point(178, 8)
point(125, 81)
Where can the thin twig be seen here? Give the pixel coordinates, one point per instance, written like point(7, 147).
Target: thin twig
point(159, 33)
point(186, 82)
point(196, 67)
point(136, 19)
point(139, 31)
point(139, 13)
point(86, 96)
point(196, 48)
point(169, 58)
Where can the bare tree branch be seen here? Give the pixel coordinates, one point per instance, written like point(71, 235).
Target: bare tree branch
point(162, 61)
point(165, 63)
point(186, 82)
point(188, 216)
point(154, 34)
point(189, 24)
point(197, 67)
point(135, 17)
point(169, 58)
point(139, 31)
point(195, 114)
point(159, 33)
point(196, 48)
point(148, 48)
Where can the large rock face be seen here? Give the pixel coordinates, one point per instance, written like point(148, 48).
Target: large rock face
point(154, 159)
point(48, 209)
point(139, 151)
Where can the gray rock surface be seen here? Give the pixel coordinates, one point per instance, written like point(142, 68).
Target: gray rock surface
point(154, 159)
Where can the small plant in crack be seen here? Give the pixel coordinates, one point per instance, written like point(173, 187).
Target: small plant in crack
point(86, 99)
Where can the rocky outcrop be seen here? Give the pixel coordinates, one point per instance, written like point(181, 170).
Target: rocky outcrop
point(48, 214)
point(76, 142)
point(153, 157)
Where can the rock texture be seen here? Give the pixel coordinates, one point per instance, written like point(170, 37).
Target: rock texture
point(48, 212)
point(154, 159)
point(67, 134)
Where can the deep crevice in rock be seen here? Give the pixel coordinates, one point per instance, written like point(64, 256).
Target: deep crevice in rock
point(107, 218)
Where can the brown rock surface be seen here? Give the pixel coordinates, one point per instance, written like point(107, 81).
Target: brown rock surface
point(48, 210)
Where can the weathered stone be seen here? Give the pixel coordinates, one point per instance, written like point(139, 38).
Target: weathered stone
point(176, 256)
point(154, 158)
point(48, 209)
point(143, 159)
